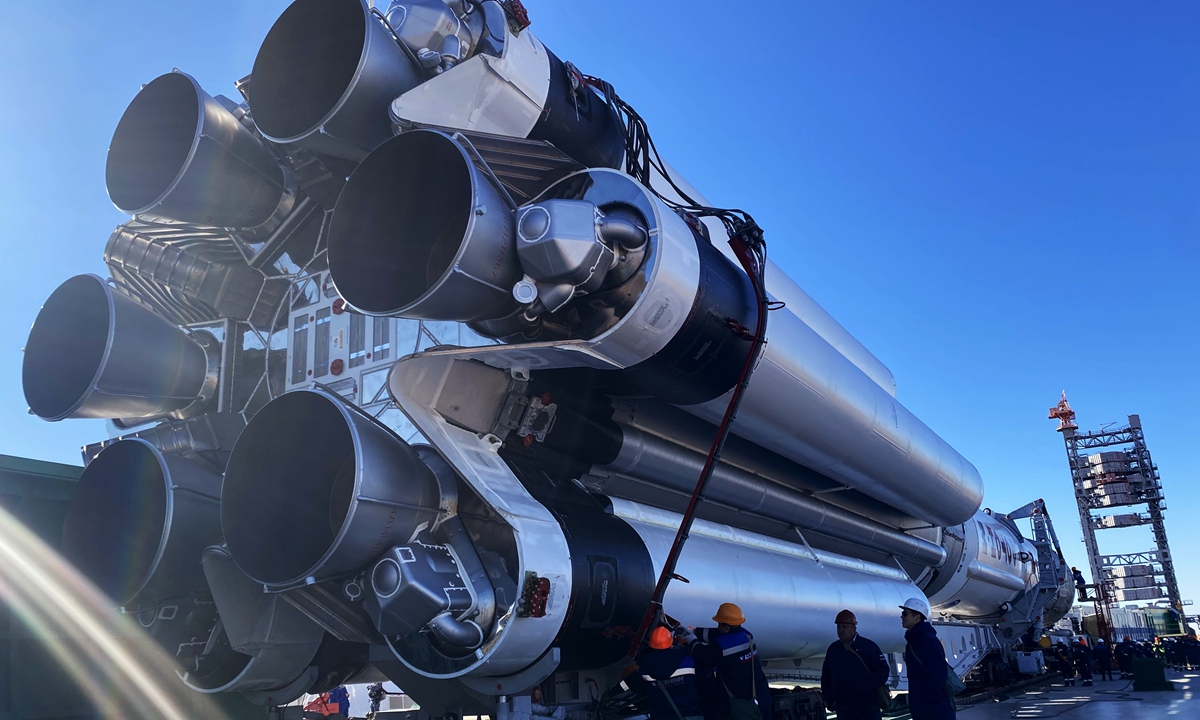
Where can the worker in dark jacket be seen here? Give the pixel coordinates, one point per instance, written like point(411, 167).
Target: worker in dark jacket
point(1125, 653)
point(730, 648)
point(1103, 656)
point(1191, 651)
point(1083, 661)
point(1066, 663)
point(925, 659)
point(853, 671)
point(670, 673)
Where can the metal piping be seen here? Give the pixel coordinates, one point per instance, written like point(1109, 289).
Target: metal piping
point(661, 461)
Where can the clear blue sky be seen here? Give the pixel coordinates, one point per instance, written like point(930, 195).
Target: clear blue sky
point(1000, 200)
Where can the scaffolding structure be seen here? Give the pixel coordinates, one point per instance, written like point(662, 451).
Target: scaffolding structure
point(1111, 470)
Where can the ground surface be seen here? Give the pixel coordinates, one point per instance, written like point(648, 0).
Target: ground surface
point(1113, 700)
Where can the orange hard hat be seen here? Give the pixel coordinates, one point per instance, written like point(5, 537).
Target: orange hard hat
point(660, 638)
point(845, 616)
point(729, 614)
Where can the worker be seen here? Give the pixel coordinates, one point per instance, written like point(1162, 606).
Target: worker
point(1078, 576)
point(340, 697)
point(1066, 663)
point(376, 694)
point(630, 694)
point(1170, 655)
point(730, 648)
point(1192, 651)
point(1103, 656)
point(321, 707)
point(853, 673)
point(670, 674)
point(925, 659)
point(1083, 661)
point(1125, 652)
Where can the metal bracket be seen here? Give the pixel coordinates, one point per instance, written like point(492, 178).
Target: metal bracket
point(808, 547)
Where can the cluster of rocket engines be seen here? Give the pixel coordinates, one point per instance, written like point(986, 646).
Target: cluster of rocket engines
point(477, 178)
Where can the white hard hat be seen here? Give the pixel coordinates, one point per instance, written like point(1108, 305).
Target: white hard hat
point(917, 604)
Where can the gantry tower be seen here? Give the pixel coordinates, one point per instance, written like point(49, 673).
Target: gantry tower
point(1112, 471)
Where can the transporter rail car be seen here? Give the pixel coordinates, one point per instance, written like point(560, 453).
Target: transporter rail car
point(416, 350)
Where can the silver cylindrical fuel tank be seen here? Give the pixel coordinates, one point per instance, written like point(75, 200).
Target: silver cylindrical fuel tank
point(788, 593)
point(660, 461)
point(809, 403)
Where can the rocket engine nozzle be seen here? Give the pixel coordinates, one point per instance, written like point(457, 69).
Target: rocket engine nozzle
point(325, 76)
point(93, 353)
point(420, 231)
point(315, 488)
point(179, 154)
point(139, 520)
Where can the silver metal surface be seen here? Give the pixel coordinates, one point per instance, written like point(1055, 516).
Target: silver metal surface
point(189, 275)
point(812, 405)
point(181, 155)
point(522, 166)
point(559, 245)
point(417, 382)
point(315, 488)
point(420, 231)
point(652, 458)
point(139, 519)
point(324, 76)
point(788, 593)
point(278, 640)
point(808, 403)
point(672, 273)
point(503, 95)
point(989, 566)
point(433, 25)
point(558, 242)
point(659, 418)
point(783, 288)
point(95, 354)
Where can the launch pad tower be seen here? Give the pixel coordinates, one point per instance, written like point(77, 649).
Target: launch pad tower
point(1112, 472)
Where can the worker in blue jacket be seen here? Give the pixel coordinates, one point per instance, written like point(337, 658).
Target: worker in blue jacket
point(730, 648)
point(925, 659)
point(854, 670)
point(670, 676)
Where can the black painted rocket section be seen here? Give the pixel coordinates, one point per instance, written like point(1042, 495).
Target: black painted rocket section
point(612, 574)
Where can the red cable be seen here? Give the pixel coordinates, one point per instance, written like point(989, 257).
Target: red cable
point(750, 263)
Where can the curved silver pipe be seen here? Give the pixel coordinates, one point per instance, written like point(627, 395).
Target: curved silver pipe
point(661, 461)
point(461, 633)
point(477, 575)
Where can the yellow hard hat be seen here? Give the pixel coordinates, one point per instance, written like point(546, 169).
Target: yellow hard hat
point(729, 614)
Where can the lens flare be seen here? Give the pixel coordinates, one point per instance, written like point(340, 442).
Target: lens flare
point(123, 672)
